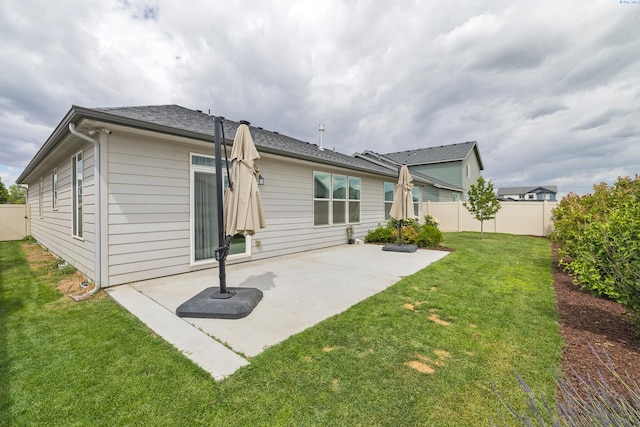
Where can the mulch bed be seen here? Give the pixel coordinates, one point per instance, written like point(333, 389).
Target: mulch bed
point(589, 324)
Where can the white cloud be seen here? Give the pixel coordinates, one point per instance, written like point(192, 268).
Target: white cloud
point(549, 90)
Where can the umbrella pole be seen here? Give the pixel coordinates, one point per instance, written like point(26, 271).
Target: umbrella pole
point(399, 231)
point(222, 247)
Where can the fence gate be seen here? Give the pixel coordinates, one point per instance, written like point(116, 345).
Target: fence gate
point(14, 222)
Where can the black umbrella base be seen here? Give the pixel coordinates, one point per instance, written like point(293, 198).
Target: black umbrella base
point(236, 303)
point(400, 248)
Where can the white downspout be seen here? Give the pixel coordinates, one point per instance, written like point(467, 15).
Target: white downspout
point(97, 198)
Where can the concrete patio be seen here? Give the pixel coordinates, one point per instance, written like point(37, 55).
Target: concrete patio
point(299, 291)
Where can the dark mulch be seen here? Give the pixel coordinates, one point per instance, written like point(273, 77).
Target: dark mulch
point(588, 322)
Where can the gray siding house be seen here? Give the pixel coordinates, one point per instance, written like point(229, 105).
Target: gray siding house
point(123, 194)
point(531, 193)
point(450, 169)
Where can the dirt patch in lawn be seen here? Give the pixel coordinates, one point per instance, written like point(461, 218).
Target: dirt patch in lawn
point(588, 322)
point(45, 263)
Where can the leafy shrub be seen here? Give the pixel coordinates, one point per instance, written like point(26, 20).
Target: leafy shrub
point(600, 241)
point(393, 223)
point(429, 236)
point(380, 235)
point(409, 234)
point(430, 220)
point(424, 236)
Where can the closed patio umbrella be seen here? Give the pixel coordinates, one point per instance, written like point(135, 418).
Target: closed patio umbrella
point(402, 208)
point(240, 213)
point(243, 212)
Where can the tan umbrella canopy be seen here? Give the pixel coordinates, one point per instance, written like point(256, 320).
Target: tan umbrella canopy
point(243, 212)
point(402, 207)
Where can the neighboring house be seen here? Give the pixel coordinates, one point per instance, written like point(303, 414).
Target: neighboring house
point(127, 194)
point(547, 192)
point(450, 169)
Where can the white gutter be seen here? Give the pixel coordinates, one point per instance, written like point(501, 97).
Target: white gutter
point(98, 224)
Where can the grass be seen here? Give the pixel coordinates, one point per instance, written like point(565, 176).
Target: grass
point(424, 352)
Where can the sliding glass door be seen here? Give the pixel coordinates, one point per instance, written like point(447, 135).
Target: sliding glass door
point(204, 213)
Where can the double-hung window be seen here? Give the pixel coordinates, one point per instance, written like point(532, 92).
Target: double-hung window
point(336, 199)
point(354, 199)
point(204, 213)
point(321, 197)
point(339, 193)
point(54, 189)
point(415, 194)
point(41, 198)
point(76, 184)
point(389, 191)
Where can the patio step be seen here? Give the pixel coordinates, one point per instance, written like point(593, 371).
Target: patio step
point(203, 350)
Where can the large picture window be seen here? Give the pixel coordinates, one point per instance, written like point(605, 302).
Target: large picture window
point(204, 213)
point(336, 199)
point(76, 183)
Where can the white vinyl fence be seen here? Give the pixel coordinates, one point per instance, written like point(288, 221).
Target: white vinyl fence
point(14, 222)
point(528, 218)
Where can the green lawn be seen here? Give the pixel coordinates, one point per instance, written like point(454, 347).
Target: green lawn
point(423, 352)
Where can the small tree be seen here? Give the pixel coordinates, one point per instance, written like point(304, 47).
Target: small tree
point(482, 202)
point(4, 194)
point(17, 194)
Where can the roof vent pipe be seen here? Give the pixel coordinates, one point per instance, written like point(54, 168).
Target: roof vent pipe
point(321, 130)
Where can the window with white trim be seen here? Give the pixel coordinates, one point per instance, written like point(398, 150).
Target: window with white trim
point(468, 171)
point(76, 184)
point(204, 213)
point(54, 189)
point(415, 194)
point(354, 199)
point(41, 197)
point(389, 190)
point(336, 199)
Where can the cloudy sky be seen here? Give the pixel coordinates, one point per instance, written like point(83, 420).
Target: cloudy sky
point(550, 89)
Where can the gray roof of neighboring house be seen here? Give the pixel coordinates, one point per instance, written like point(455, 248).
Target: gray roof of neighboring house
point(506, 191)
point(388, 163)
point(441, 154)
point(181, 121)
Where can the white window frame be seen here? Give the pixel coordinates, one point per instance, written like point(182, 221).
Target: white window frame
point(350, 200)
point(54, 189)
point(41, 197)
point(468, 171)
point(76, 196)
point(415, 191)
point(330, 200)
point(193, 169)
point(327, 200)
point(388, 203)
point(335, 177)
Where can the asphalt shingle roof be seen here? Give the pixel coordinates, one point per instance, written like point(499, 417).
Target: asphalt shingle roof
point(181, 118)
point(443, 153)
point(506, 191)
